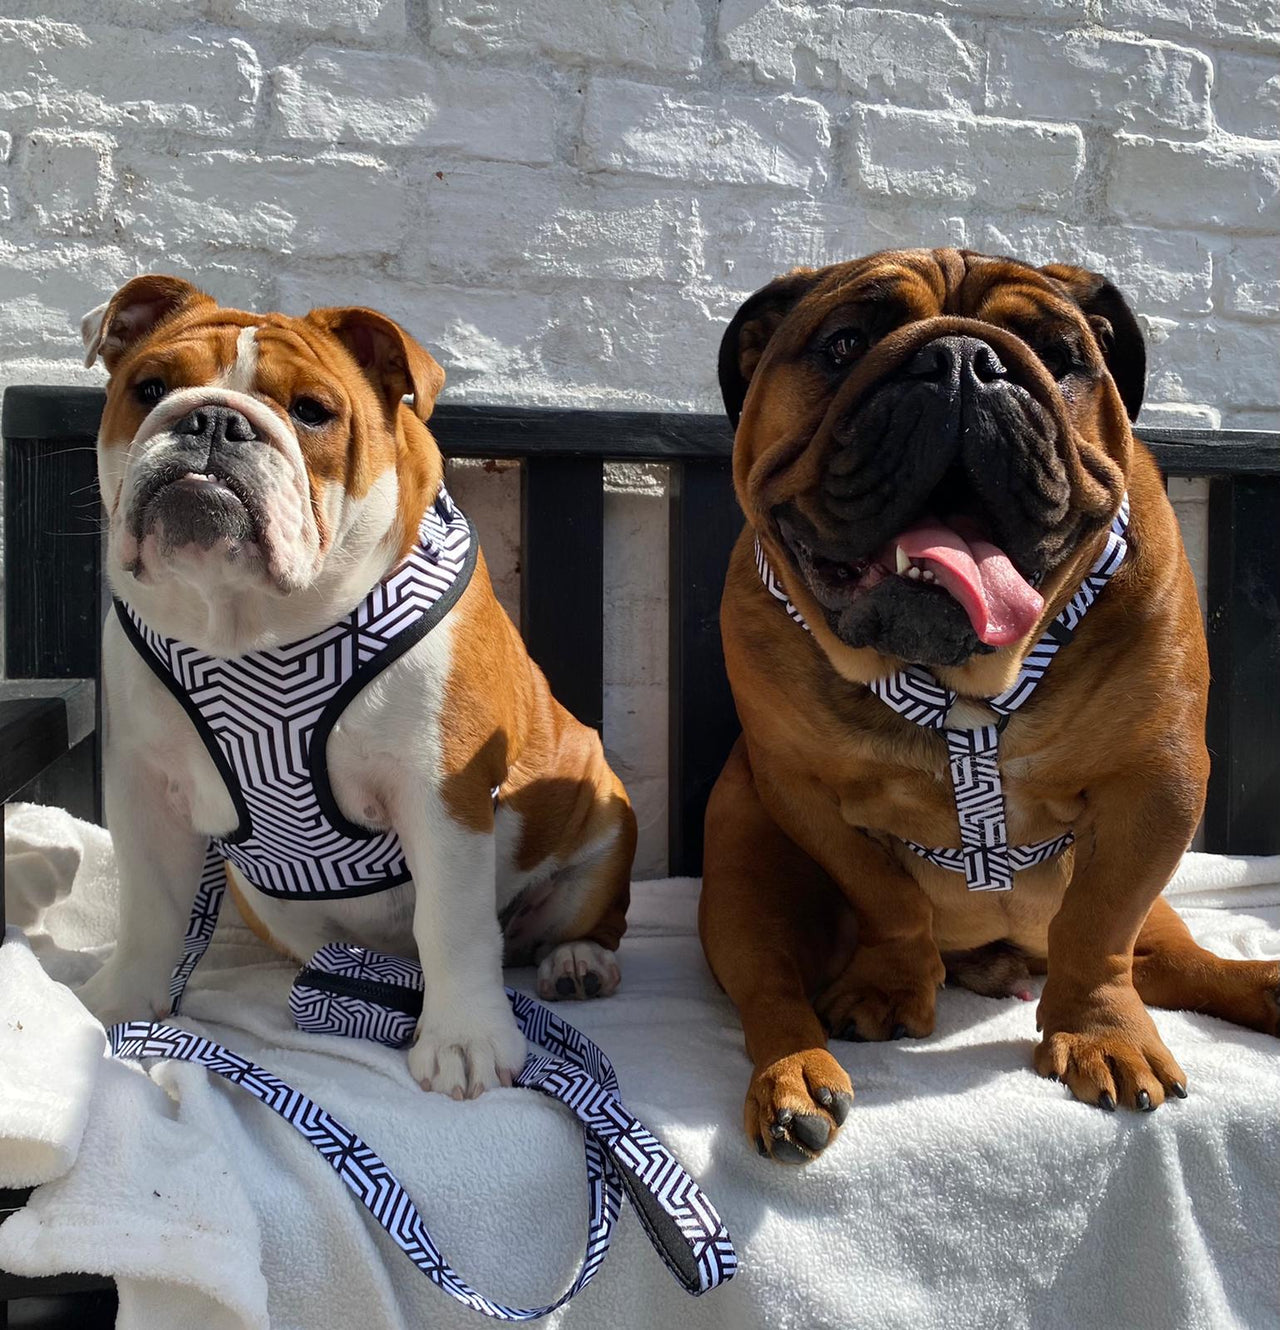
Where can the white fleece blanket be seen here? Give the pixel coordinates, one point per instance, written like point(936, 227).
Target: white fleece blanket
point(964, 1191)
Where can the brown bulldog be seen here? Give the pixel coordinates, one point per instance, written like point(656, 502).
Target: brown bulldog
point(964, 663)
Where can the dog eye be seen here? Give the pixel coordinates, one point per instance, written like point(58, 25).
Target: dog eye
point(150, 391)
point(842, 346)
point(1057, 359)
point(308, 411)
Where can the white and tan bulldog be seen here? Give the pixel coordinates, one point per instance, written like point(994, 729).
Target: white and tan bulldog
point(262, 475)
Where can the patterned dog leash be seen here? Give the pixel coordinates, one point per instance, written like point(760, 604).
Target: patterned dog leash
point(345, 990)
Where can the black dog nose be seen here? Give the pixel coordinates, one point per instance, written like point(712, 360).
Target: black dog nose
point(216, 424)
point(955, 360)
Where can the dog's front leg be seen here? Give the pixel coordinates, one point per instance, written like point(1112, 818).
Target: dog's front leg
point(467, 1040)
point(159, 858)
point(890, 986)
point(770, 922)
point(1099, 1039)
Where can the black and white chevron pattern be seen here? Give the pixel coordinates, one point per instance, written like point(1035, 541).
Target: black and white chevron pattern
point(265, 718)
point(774, 586)
point(576, 1077)
point(1020, 856)
point(620, 1151)
point(321, 1012)
point(360, 1010)
point(985, 857)
point(1060, 632)
point(974, 761)
point(200, 926)
point(915, 695)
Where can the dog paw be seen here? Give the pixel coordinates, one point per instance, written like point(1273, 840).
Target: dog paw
point(1114, 1056)
point(886, 992)
point(578, 970)
point(796, 1106)
point(467, 1054)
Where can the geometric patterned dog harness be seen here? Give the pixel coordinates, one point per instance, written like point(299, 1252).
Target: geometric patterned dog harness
point(985, 856)
point(265, 718)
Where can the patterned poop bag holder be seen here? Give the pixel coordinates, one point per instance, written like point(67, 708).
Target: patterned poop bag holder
point(346, 990)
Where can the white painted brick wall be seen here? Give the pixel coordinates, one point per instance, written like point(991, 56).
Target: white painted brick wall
point(566, 201)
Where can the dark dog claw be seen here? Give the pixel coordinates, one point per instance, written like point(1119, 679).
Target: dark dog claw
point(836, 1102)
point(850, 1032)
point(564, 986)
point(811, 1131)
point(898, 1032)
point(591, 984)
point(1179, 1089)
point(778, 1131)
point(1106, 1102)
point(1144, 1101)
point(788, 1152)
point(761, 1148)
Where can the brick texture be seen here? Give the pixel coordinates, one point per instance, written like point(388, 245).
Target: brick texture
point(393, 101)
point(652, 34)
point(1030, 164)
point(876, 55)
point(566, 201)
point(637, 128)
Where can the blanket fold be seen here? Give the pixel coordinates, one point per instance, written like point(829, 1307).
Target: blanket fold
point(50, 1048)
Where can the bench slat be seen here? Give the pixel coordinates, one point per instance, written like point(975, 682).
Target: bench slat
point(475, 430)
point(705, 522)
point(52, 624)
point(52, 597)
point(562, 578)
point(62, 1302)
point(1242, 815)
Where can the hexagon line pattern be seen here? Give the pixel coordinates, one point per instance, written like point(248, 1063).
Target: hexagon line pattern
point(265, 716)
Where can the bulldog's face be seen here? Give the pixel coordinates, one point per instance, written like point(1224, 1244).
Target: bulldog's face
point(928, 440)
point(251, 461)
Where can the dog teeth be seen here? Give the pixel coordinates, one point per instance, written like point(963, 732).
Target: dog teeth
point(904, 560)
point(914, 573)
point(927, 575)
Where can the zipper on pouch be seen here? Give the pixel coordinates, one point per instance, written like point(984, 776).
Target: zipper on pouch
point(396, 997)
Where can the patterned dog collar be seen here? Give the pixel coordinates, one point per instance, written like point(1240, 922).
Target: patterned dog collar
point(986, 858)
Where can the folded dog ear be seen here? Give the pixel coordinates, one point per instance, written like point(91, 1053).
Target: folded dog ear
point(396, 364)
point(749, 331)
point(136, 308)
point(1114, 325)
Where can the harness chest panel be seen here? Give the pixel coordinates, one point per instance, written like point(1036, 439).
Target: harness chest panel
point(985, 856)
point(266, 717)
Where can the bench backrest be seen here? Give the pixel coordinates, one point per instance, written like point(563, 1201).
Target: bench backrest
point(54, 600)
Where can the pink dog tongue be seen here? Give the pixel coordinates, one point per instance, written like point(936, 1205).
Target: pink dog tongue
point(1001, 604)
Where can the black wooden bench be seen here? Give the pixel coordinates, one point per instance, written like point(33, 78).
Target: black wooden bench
point(54, 604)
